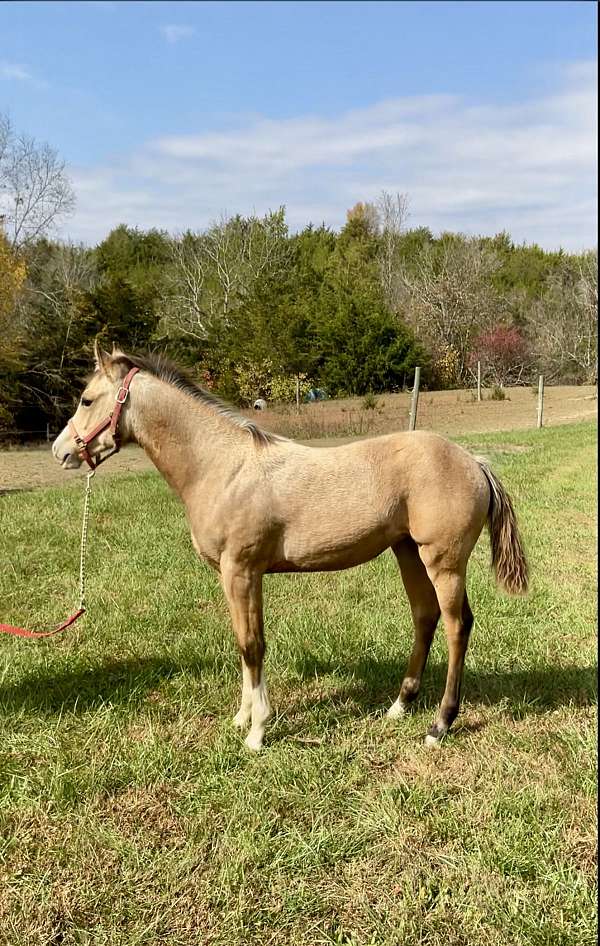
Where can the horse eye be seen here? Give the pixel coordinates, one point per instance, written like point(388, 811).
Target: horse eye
point(86, 401)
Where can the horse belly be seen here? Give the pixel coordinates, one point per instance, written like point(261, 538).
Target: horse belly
point(311, 548)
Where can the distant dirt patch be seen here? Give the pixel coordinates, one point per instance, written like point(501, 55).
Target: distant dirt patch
point(36, 467)
point(446, 412)
point(333, 422)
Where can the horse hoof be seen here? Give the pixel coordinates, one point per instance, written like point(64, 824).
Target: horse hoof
point(396, 710)
point(432, 742)
point(254, 741)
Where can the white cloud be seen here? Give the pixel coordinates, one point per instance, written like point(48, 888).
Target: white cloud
point(10, 70)
point(528, 168)
point(173, 32)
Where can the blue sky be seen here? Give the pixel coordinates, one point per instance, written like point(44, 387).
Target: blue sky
point(173, 114)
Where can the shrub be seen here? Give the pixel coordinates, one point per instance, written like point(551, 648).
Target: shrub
point(503, 353)
point(370, 402)
point(261, 379)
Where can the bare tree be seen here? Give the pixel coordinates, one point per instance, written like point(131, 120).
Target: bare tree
point(565, 322)
point(5, 135)
point(186, 303)
point(70, 272)
point(393, 213)
point(448, 298)
point(587, 317)
point(213, 272)
point(34, 188)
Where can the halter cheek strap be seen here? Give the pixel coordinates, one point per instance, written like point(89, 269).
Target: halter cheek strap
point(112, 422)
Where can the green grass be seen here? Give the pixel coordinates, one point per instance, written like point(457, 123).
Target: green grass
point(131, 813)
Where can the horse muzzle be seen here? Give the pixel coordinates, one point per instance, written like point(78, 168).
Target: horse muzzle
point(65, 451)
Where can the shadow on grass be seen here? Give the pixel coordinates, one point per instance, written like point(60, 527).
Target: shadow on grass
point(375, 684)
point(116, 682)
point(367, 685)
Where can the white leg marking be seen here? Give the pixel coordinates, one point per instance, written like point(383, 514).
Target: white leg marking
point(396, 710)
point(261, 710)
point(242, 717)
point(432, 742)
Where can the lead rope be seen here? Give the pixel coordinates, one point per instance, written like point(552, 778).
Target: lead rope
point(23, 631)
point(84, 533)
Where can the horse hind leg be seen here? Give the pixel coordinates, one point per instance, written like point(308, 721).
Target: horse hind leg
point(425, 614)
point(458, 620)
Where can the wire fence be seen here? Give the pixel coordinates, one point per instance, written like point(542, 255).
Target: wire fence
point(27, 436)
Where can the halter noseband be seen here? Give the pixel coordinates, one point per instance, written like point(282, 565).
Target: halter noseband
point(112, 421)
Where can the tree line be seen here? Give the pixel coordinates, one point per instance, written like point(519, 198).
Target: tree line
point(253, 309)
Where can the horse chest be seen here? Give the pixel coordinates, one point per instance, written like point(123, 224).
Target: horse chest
point(207, 548)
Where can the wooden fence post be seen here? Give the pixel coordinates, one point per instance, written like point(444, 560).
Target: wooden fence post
point(412, 420)
point(47, 433)
point(478, 380)
point(540, 406)
point(297, 393)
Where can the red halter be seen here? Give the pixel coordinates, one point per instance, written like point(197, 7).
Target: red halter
point(112, 421)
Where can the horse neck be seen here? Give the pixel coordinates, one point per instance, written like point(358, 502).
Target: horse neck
point(183, 437)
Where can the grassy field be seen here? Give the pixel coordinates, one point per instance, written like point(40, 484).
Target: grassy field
point(131, 813)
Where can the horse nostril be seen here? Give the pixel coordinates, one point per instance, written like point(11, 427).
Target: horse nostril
point(66, 457)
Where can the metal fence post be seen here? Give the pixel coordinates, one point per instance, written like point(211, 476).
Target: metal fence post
point(412, 420)
point(478, 380)
point(540, 406)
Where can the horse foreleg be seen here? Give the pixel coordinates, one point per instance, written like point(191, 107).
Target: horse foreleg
point(243, 590)
point(244, 714)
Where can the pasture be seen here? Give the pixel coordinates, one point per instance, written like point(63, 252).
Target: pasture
point(131, 812)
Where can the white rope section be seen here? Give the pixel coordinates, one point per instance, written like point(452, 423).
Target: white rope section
point(84, 532)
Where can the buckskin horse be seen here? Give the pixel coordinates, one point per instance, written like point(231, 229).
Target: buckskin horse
point(259, 503)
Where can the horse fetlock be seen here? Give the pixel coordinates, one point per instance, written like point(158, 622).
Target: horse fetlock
point(439, 729)
point(261, 713)
point(254, 739)
point(242, 717)
point(436, 734)
point(409, 690)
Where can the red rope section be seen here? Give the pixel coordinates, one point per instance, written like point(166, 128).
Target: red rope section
point(23, 632)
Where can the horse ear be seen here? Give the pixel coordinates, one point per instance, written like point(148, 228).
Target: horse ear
point(119, 366)
point(101, 357)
